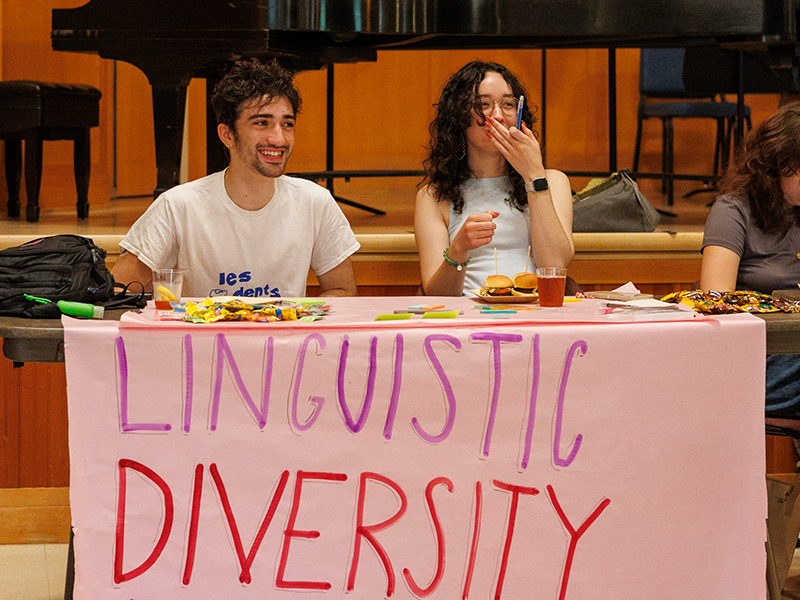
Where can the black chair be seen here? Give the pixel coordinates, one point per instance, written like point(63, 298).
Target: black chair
point(661, 77)
point(34, 111)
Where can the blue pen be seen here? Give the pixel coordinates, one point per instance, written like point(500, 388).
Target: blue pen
point(519, 111)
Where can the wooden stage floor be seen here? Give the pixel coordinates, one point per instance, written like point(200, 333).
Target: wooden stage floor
point(394, 196)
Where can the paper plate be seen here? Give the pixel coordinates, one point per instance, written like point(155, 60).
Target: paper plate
point(611, 295)
point(526, 299)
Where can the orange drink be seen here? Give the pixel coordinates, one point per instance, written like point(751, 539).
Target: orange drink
point(552, 282)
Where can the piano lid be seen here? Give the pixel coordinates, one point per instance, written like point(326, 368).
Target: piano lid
point(172, 41)
point(186, 19)
point(610, 18)
point(293, 24)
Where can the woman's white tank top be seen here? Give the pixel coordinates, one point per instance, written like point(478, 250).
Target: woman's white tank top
point(512, 238)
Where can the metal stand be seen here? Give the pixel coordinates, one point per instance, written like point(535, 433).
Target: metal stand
point(612, 110)
point(329, 150)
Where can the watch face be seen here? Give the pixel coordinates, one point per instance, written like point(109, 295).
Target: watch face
point(540, 184)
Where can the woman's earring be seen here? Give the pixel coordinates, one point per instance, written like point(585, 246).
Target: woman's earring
point(463, 147)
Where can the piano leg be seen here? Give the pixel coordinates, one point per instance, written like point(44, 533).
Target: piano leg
point(82, 165)
point(33, 174)
point(13, 175)
point(169, 104)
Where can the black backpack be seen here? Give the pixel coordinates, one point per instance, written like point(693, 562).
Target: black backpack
point(58, 267)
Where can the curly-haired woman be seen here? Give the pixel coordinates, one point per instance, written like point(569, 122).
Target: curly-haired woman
point(486, 188)
point(752, 235)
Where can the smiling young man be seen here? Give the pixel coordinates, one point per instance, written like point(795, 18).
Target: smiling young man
point(248, 230)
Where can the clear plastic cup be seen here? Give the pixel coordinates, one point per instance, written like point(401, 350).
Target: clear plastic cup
point(552, 282)
point(167, 287)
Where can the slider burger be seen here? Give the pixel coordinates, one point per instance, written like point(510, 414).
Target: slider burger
point(497, 285)
point(524, 284)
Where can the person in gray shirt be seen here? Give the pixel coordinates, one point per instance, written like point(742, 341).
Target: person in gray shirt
point(752, 235)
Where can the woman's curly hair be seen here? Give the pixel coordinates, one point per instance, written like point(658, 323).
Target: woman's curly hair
point(771, 151)
point(252, 79)
point(446, 167)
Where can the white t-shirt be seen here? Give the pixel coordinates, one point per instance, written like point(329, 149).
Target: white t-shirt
point(512, 238)
point(229, 251)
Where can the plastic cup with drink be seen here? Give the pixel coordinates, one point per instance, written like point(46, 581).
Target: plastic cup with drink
point(551, 281)
point(167, 287)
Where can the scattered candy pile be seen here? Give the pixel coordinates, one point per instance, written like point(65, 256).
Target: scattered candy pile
point(211, 311)
point(732, 302)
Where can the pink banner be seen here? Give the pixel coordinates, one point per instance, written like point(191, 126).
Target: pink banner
point(484, 459)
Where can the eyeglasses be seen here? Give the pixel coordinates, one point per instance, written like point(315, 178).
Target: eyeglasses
point(486, 106)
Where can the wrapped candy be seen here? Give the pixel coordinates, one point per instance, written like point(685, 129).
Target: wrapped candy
point(728, 302)
point(212, 311)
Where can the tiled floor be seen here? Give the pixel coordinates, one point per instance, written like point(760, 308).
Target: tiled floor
point(37, 571)
point(33, 571)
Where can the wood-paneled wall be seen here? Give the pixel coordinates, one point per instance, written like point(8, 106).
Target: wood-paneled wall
point(382, 110)
point(33, 423)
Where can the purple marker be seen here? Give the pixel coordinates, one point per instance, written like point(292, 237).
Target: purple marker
point(519, 111)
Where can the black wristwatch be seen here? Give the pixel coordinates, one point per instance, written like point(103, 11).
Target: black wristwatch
point(537, 185)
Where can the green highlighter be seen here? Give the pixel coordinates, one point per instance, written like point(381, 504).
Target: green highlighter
point(441, 314)
point(393, 317)
point(73, 309)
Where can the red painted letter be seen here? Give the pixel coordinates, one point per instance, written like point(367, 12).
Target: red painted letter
point(476, 536)
point(574, 535)
point(440, 554)
point(515, 490)
point(191, 542)
point(246, 561)
point(291, 532)
point(169, 513)
point(368, 531)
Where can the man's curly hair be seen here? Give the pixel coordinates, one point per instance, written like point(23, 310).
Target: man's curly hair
point(445, 168)
point(771, 151)
point(252, 79)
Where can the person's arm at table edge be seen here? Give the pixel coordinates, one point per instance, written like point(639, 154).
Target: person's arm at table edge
point(719, 269)
point(432, 237)
point(339, 281)
point(129, 268)
point(552, 244)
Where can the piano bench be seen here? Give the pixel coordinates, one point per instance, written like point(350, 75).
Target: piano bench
point(35, 111)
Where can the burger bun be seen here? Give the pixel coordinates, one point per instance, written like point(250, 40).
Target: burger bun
point(497, 285)
point(525, 283)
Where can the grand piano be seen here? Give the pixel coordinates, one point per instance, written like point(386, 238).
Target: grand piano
point(173, 41)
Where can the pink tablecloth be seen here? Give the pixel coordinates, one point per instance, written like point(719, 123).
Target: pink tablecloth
point(480, 456)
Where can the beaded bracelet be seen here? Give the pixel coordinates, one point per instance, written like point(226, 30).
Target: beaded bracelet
point(454, 263)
